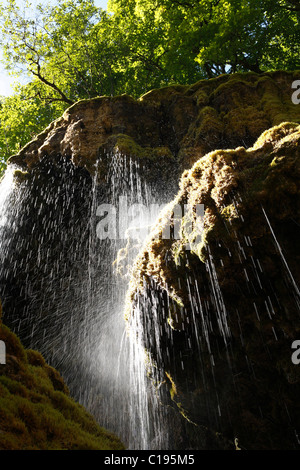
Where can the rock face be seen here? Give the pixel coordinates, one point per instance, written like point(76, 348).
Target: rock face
point(218, 319)
point(228, 307)
point(180, 123)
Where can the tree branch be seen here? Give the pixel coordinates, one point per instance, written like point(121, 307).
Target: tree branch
point(51, 85)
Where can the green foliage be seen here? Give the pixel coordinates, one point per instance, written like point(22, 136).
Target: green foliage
point(36, 411)
point(75, 50)
point(79, 51)
point(188, 40)
point(24, 115)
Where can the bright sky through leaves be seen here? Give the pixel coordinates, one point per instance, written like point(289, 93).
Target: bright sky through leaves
point(6, 81)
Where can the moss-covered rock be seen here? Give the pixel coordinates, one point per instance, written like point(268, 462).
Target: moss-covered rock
point(216, 343)
point(36, 410)
point(229, 306)
point(183, 122)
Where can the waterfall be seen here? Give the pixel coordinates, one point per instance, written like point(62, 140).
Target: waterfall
point(69, 239)
point(128, 398)
point(6, 188)
point(284, 262)
point(65, 295)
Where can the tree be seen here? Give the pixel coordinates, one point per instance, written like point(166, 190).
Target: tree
point(204, 38)
point(79, 51)
point(74, 50)
point(21, 119)
point(54, 47)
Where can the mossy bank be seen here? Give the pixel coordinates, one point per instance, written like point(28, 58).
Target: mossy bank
point(36, 410)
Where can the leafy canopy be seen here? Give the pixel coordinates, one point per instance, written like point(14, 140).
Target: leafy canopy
point(75, 50)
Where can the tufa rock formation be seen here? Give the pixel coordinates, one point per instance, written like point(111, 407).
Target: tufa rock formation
point(228, 306)
point(226, 311)
point(171, 126)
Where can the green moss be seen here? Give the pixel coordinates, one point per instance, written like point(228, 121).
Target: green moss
point(202, 97)
point(15, 346)
point(20, 176)
point(237, 127)
point(125, 145)
point(276, 133)
point(265, 174)
point(36, 411)
point(34, 358)
point(157, 95)
point(208, 122)
point(279, 108)
point(188, 121)
point(174, 397)
point(175, 319)
point(231, 82)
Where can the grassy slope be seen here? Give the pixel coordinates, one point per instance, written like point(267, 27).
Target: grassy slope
point(36, 411)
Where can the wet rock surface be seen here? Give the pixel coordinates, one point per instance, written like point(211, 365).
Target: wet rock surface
point(227, 309)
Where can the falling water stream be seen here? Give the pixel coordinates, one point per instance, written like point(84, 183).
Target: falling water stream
point(73, 303)
point(120, 350)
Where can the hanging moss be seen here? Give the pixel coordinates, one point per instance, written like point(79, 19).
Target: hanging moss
point(265, 173)
point(21, 176)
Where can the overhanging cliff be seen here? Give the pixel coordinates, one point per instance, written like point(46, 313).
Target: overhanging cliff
point(218, 319)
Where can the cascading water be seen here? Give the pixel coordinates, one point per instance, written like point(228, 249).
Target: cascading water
point(71, 306)
point(120, 353)
point(68, 243)
point(6, 188)
point(285, 264)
